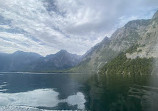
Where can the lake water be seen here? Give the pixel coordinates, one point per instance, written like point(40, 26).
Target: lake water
point(63, 91)
point(26, 91)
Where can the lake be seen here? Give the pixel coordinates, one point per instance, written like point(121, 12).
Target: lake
point(20, 91)
point(65, 91)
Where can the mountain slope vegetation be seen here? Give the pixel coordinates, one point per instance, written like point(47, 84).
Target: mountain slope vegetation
point(128, 67)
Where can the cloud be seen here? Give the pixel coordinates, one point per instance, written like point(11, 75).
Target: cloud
point(47, 26)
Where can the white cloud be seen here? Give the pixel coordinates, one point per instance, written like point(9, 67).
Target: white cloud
point(4, 27)
point(66, 24)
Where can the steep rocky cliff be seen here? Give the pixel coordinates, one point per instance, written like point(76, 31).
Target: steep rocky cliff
point(140, 33)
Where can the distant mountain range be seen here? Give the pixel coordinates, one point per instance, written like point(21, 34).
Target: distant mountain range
point(28, 61)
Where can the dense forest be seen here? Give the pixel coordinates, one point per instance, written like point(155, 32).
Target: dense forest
point(122, 65)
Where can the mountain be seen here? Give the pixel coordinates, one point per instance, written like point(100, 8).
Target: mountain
point(95, 57)
point(140, 34)
point(4, 61)
point(59, 61)
point(28, 61)
point(18, 61)
point(141, 58)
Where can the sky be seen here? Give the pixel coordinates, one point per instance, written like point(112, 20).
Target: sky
point(47, 26)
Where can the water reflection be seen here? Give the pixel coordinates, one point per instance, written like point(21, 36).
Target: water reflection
point(72, 92)
point(43, 91)
point(123, 93)
point(2, 87)
point(77, 99)
point(40, 98)
point(148, 96)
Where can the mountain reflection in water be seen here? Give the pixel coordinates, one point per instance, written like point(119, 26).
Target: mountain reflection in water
point(124, 93)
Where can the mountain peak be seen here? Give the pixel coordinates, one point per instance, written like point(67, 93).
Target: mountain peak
point(26, 53)
point(18, 52)
point(155, 15)
point(62, 52)
point(106, 38)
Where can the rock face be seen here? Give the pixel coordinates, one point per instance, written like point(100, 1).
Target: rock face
point(95, 57)
point(148, 42)
point(27, 61)
point(143, 33)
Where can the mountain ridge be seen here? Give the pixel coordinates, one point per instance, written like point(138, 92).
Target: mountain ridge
point(30, 61)
point(142, 32)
